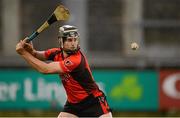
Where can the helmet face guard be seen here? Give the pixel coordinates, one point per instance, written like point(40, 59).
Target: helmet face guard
point(71, 34)
point(66, 32)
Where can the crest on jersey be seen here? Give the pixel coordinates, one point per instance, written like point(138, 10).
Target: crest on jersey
point(68, 62)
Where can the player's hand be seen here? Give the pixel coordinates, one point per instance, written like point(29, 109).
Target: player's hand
point(29, 47)
point(20, 47)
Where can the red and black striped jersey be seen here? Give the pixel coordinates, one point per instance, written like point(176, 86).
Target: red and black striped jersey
point(77, 79)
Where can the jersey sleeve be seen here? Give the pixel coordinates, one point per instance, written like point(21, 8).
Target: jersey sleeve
point(70, 63)
point(49, 52)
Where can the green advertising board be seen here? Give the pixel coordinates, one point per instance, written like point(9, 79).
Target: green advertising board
point(130, 90)
point(125, 90)
point(30, 89)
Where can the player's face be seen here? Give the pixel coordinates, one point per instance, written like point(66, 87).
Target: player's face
point(71, 43)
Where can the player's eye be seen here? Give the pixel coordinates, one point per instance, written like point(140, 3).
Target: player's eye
point(69, 39)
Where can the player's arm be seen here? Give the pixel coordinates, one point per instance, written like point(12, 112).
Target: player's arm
point(40, 55)
point(41, 66)
point(30, 48)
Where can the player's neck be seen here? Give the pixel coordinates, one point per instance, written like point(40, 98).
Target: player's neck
point(65, 54)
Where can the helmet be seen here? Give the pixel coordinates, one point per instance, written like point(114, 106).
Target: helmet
point(65, 32)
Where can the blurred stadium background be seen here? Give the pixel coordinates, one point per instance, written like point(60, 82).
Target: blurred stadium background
point(145, 82)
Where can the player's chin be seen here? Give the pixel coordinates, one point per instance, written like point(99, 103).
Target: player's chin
point(73, 49)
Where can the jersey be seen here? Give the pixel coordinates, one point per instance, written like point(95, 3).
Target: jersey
point(77, 78)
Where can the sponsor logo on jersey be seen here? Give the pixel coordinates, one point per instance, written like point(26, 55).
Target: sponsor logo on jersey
point(68, 62)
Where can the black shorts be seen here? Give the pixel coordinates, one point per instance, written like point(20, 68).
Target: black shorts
point(89, 107)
